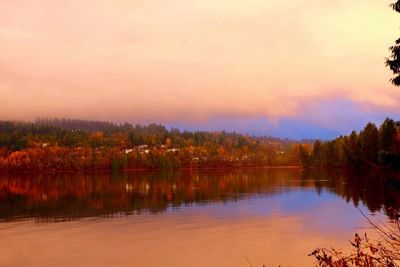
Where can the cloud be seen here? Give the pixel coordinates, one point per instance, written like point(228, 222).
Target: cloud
point(193, 61)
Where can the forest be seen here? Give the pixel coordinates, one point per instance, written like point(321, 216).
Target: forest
point(79, 145)
point(372, 147)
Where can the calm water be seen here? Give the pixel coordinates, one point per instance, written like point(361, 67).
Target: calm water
point(185, 219)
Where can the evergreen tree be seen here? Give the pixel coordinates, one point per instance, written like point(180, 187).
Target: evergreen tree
point(304, 157)
point(393, 62)
point(387, 135)
point(317, 153)
point(369, 139)
point(352, 150)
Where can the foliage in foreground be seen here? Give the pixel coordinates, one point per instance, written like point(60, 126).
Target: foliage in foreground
point(365, 252)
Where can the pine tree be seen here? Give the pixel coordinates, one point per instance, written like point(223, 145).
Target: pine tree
point(393, 62)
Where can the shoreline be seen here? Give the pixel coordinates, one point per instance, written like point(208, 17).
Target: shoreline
point(185, 169)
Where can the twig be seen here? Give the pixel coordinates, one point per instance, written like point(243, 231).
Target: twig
point(248, 261)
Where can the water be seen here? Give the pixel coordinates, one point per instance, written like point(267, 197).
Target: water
point(209, 218)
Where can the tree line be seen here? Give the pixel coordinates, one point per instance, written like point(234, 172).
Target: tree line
point(66, 145)
point(372, 147)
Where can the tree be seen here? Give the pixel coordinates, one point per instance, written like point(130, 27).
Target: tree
point(369, 139)
point(305, 157)
point(352, 150)
point(317, 153)
point(387, 135)
point(388, 155)
point(393, 62)
point(96, 139)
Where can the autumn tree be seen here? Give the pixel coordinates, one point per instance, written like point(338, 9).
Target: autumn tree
point(96, 139)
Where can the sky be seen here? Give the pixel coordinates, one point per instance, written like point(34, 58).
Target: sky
point(297, 69)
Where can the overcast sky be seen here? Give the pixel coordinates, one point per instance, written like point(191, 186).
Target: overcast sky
point(298, 68)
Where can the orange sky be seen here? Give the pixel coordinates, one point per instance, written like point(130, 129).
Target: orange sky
point(176, 61)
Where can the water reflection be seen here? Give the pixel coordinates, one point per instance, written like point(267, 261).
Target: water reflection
point(68, 197)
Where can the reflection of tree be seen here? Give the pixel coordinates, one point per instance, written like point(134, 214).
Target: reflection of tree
point(375, 190)
point(74, 196)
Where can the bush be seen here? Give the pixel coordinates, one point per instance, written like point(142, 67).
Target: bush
point(365, 252)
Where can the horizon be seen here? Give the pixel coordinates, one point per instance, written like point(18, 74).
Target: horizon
point(288, 70)
point(50, 121)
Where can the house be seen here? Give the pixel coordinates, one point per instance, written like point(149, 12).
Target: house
point(128, 150)
point(44, 145)
point(141, 147)
point(173, 150)
point(147, 151)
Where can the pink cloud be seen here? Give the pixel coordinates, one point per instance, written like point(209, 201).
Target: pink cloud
point(192, 60)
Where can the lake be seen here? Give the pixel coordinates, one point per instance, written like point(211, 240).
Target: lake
point(204, 218)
